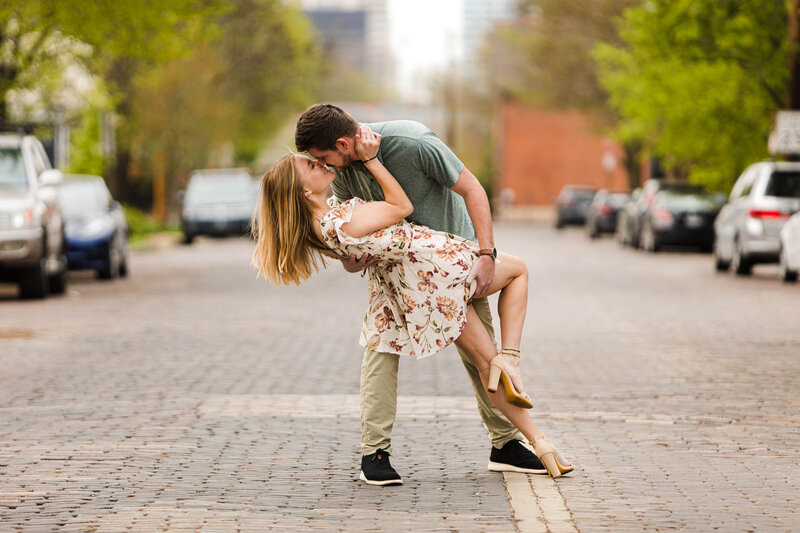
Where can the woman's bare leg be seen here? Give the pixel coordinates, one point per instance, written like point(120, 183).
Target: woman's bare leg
point(511, 280)
point(475, 341)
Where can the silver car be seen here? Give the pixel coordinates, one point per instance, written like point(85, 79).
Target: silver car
point(747, 229)
point(32, 251)
point(790, 249)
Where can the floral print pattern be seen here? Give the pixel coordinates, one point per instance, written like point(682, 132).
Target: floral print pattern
point(418, 290)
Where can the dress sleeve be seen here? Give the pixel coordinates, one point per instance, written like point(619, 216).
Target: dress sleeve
point(373, 243)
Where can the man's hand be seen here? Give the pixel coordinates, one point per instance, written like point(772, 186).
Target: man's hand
point(483, 272)
point(351, 264)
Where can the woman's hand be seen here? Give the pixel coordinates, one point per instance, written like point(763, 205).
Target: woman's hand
point(367, 143)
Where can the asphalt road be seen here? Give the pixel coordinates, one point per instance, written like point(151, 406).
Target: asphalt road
point(194, 397)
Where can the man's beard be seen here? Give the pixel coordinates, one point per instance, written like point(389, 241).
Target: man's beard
point(347, 160)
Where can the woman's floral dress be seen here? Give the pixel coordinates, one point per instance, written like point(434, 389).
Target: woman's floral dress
point(418, 290)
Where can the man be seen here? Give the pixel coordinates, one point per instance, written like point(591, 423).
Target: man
point(446, 196)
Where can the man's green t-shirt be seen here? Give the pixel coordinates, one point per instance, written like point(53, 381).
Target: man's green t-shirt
point(426, 169)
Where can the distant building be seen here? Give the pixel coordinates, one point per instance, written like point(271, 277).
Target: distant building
point(541, 150)
point(479, 18)
point(356, 33)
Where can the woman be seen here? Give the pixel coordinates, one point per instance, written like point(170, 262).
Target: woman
point(419, 295)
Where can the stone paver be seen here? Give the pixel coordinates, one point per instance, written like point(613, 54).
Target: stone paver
point(193, 397)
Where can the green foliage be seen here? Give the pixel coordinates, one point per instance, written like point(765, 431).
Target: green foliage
point(141, 224)
point(698, 82)
point(545, 57)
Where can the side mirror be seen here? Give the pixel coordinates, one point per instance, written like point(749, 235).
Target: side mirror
point(50, 177)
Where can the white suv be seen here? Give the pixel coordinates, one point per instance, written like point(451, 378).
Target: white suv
point(32, 251)
point(747, 229)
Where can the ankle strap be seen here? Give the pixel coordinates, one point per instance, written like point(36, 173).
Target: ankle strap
point(510, 351)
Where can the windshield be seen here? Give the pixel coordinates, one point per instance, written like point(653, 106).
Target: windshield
point(784, 184)
point(82, 198)
point(220, 189)
point(686, 201)
point(12, 168)
point(617, 199)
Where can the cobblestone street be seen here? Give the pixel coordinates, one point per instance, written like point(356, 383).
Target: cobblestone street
point(194, 397)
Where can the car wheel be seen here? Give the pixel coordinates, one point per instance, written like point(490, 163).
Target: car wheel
point(58, 281)
point(739, 263)
point(123, 267)
point(188, 238)
point(648, 240)
point(113, 262)
point(720, 265)
point(785, 273)
point(33, 282)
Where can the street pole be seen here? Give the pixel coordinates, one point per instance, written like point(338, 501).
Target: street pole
point(793, 90)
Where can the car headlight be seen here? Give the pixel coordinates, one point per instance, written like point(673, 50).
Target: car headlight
point(24, 219)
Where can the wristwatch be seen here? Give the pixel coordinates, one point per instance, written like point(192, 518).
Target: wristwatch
point(488, 251)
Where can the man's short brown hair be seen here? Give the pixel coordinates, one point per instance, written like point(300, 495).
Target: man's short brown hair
point(320, 125)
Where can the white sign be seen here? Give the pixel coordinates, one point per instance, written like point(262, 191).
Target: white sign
point(785, 138)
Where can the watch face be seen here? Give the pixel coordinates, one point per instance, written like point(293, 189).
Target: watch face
point(494, 253)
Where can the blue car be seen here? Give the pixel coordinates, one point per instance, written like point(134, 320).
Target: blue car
point(96, 230)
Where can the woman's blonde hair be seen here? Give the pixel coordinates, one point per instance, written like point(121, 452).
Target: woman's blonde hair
point(287, 248)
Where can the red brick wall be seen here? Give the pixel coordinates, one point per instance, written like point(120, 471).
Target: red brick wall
point(539, 151)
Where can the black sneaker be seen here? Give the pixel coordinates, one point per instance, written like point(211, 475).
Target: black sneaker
point(515, 457)
point(376, 470)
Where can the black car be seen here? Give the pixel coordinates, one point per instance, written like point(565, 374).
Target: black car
point(572, 204)
point(681, 217)
point(602, 214)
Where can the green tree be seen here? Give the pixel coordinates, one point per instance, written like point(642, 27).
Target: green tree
point(698, 82)
point(545, 56)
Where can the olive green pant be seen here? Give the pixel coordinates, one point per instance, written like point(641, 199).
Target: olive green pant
point(379, 395)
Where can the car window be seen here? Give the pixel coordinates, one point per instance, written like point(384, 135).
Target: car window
point(82, 198)
point(617, 200)
point(686, 201)
point(43, 155)
point(12, 168)
point(784, 184)
point(38, 163)
point(745, 181)
point(220, 189)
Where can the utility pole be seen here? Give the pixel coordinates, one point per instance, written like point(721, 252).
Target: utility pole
point(793, 90)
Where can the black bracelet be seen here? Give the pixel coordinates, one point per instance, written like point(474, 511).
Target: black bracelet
point(370, 159)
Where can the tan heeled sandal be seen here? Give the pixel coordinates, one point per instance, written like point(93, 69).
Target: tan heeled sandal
point(496, 374)
point(547, 455)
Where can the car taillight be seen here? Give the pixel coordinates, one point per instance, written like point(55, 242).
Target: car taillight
point(663, 216)
point(766, 213)
point(606, 209)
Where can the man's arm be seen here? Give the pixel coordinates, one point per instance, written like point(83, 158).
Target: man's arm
point(477, 203)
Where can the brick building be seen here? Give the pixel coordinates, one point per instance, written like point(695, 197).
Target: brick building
point(539, 151)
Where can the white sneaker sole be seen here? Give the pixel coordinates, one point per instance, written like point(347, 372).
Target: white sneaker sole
point(502, 467)
point(363, 478)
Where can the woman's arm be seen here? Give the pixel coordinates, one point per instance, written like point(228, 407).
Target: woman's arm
point(373, 216)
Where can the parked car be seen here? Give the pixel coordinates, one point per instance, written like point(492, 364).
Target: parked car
point(572, 204)
point(602, 214)
point(635, 211)
point(219, 203)
point(32, 251)
point(747, 230)
point(789, 258)
point(96, 229)
point(679, 216)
